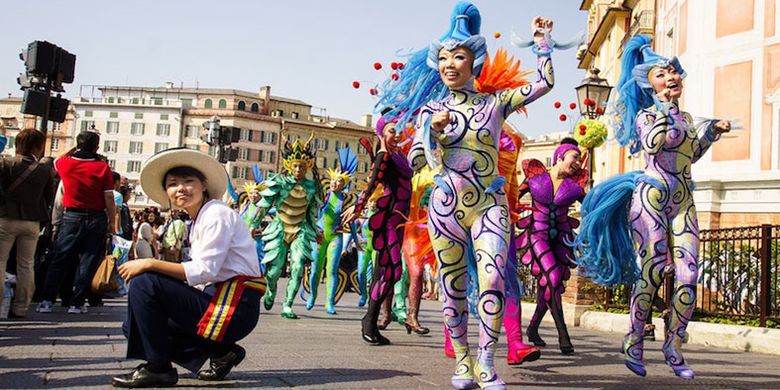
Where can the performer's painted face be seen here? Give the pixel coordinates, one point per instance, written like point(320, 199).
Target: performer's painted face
point(254, 196)
point(661, 78)
point(337, 184)
point(184, 191)
point(391, 137)
point(572, 162)
point(455, 67)
point(298, 169)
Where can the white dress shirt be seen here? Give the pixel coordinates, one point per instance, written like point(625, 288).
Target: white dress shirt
point(221, 247)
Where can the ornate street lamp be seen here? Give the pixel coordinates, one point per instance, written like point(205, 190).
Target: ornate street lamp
point(593, 95)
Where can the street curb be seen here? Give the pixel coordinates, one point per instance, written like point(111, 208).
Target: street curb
point(734, 337)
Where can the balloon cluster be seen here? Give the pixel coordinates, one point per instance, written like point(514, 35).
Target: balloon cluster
point(395, 66)
point(563, 117)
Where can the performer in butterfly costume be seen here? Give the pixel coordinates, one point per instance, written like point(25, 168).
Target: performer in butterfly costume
point(547, 233)
point(329, 251)
point(390, 169)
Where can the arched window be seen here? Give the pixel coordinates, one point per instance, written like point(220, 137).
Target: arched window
point(255, 107)
point(241, 106)
point(222, 103)
point(207, 103)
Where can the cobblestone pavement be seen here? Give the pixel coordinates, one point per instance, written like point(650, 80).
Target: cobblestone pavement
point(320, 351)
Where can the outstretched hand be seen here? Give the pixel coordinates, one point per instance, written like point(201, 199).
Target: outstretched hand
point(723, 127)
point(348, 215)
point(541, 26)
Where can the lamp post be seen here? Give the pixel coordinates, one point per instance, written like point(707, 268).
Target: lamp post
point(592, 96)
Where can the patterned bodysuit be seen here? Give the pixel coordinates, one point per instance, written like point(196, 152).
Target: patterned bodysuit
point(387, 223)
point(328, 253)
point(470, 217)
point(547, 238)
point(664, 224)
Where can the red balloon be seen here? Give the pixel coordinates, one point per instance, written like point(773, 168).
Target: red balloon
point(394, 76)
point(583, 128)
point(572, 105)
point(557, 104)
point(591, 102)
point(394, 66)
point(400, 65)
point(600, 111)
point(355, 84)
point(377, 65)
point(562, 117)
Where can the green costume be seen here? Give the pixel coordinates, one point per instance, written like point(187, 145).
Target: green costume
point(293, 229)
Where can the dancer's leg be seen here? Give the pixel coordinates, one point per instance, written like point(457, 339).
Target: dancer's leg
point(490, 235)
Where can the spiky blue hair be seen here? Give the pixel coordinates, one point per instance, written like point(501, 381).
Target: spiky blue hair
point(419, 81)
point(635, 90)
point(348, 161)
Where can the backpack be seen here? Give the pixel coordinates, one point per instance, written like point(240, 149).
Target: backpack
point(126, 222)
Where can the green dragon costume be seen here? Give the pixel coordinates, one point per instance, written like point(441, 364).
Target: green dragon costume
point(294, 228)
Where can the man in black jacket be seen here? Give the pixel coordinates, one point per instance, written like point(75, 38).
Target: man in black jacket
point(26, 192)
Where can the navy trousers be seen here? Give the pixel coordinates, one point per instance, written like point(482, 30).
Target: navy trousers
point(81, 239)
point(162, 318)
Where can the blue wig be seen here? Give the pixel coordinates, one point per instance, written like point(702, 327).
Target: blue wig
point(419, 81)
point(605, 248)
point(636, 92)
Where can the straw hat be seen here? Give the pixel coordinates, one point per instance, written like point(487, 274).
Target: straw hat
point(157, 166)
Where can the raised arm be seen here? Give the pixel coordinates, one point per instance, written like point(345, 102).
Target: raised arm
point(513, 99)
point(416, 155)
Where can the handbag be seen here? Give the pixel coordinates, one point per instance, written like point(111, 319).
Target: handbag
point(104, 280)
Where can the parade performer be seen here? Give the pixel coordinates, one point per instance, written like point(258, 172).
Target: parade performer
point(296, 199)
point(468, 205)
point(250, 210)
point(329, 252)
point(517, 351)
point(636, 224)
point(390, 169)
point(186, 313)
point(547, 236)
point(417, 249)
point(366, 252)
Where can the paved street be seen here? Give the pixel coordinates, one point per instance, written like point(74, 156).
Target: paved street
point(326, 352)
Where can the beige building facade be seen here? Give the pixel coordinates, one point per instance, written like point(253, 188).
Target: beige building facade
point(59, 138)
point(137, 122)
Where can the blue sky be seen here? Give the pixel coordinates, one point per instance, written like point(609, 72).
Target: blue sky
point(308, 50)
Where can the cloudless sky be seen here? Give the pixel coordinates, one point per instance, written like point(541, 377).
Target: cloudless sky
point(308, 50)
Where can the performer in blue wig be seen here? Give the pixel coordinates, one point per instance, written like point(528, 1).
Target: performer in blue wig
point(635, 225)
point(329, 251)
point(468, 204)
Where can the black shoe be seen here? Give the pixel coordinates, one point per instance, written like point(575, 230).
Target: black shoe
point(141, 377)
point(565, 344)
point(220, 366)
point(533, 337)
point(371, 335)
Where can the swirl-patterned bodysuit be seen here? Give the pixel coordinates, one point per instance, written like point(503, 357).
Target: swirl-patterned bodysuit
point(467, 215)
point(664, 224)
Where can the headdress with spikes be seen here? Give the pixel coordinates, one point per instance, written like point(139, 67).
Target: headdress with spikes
point(298, 152)
point(257, 185)
point(348, 163)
